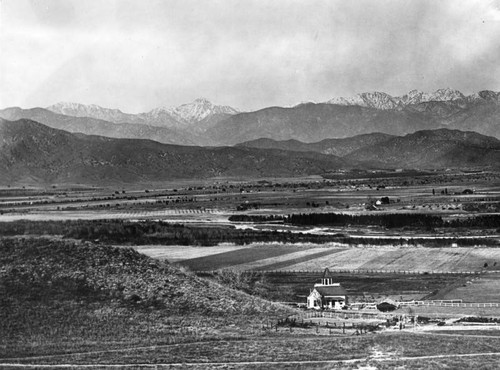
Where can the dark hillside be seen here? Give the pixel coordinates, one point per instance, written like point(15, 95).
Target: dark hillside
point(44, 270)
point(433, 149)
point(30, 150)
point(93, 126)
point(58, 296)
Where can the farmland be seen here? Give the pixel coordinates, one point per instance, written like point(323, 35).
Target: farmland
point(298, 257)
point(186, 233)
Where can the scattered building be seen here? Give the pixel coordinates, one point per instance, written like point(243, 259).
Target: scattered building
point(327, 294)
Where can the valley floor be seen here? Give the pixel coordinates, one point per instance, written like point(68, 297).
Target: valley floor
point(163, 278)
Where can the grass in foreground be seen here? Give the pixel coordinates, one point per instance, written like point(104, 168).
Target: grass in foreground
point(302, 348)
point(64, 296)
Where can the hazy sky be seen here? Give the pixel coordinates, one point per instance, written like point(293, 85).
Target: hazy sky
point(139, 54)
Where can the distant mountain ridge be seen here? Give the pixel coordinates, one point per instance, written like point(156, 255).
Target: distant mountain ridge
point(436, 149)
point(338, 147)
point(381, 100)
point(311, 123)
point(190, 114)
point(199, 110)
point(32, 152)
point(94, 126)
point(427, 149)
point(366, 113)
point(94, 111)
point(204, 123)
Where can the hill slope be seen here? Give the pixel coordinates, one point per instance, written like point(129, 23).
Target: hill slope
point(433, 149)
point(63, 296)
point(314, 122)
point(32, 151)
point(63, 270)
point(366, 113)
point(94, 126)
point(338, 147)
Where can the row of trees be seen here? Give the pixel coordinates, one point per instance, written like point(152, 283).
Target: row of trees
point(152, 232)
point(392, 220)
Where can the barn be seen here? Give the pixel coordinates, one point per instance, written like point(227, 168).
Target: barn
point(327, 294)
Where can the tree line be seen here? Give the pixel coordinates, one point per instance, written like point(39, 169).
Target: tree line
point(387, 220)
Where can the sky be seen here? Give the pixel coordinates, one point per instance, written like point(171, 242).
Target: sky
point(137, 55)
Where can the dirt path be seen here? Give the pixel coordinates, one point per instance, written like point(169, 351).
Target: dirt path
point(377, 357)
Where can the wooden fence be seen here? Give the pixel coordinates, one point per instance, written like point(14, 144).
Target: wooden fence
point(340, 315)
point(357, 271)
point(450, 304)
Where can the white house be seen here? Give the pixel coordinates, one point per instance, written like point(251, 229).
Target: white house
point(327, 294)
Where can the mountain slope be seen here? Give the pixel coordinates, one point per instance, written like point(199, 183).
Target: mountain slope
point(199, 110)
point(365, 113)
point(94, 111)
point(93, 126)
point(314, 122)
point(433, 149)
point(338, 147)
point(381, 100)
point(30, 150)
point(198, 115)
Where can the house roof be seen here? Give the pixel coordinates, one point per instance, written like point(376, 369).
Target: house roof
point(327, 274)
point(326, 291)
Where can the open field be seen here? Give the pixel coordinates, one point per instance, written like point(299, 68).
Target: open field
point(278, 262)
point(380, 258)
point(217, 199)
point(293, 351)
point(237, 257)
point(188, 224)
point(362, 287)
point(176, 253)
point(484, 288)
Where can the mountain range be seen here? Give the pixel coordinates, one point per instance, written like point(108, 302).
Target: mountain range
point(427, 149)
point(94, 126)
point(366, 113)
point(204, 123)
point(381, 100)
point(436, 149)
point(34, 153)
point(197, 115)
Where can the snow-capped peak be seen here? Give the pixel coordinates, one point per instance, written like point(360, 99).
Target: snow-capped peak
point(93, 111)
point(374, 99)
point(198, 110)
point(446, 94)
point(380, 100)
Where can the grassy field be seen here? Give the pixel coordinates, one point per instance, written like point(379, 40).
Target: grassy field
point(349, 259)
point(176, 253)
point(362, 287)
point(238, 257)
point(485, 288)
point(271, 264)
point(65, 296)
point(295, 257)
point(60, 297)
point(405, 259)
point(368, 349)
